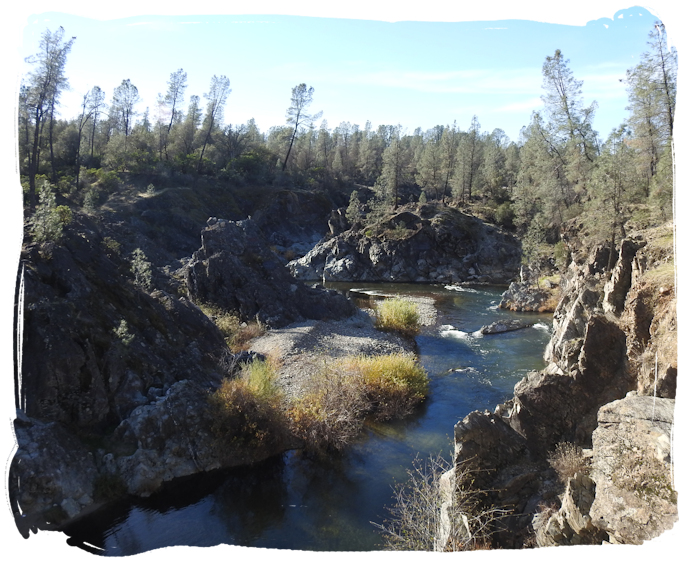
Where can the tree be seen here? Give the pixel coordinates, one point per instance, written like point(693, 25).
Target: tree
point(219, 91)
point(171, 102)
point(651, 87)
point(124, 100)
point(96, 103)
point(569, 119)
point(394, 167)
point(297, 114)
point(44, 86)
point(468, 161)
point(611, 189)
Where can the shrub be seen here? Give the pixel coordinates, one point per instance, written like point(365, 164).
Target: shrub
point(567, 460)
point(237, 335)
point(48, 220)
point(393, 384)
point(247, 410)
point(398, 315)
point(141, 268)
point(336, 401)
point(123, 334)
point(438, 509)
point(330, 413)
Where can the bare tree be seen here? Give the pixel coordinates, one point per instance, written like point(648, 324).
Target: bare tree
point(439, 509)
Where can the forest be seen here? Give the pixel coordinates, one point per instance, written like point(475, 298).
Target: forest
point(558, 168)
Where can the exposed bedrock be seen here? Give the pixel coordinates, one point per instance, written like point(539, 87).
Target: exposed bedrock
point(613, 348)
point(236, 270)
point(421, 243)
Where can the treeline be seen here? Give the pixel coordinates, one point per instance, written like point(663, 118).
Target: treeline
point(557, 169)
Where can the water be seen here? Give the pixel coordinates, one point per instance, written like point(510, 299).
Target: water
point(293, 502)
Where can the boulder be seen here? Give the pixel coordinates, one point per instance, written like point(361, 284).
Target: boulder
point(52, 475)
point(616, 288)
point(523, 297)
point(503, 326)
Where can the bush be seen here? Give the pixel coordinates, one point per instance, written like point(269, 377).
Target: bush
point(393, 384)
point(335, 403)
point(48, 220)
point(330, 414)
point(399, 316)
point(567, 460)
point(439, 509)
point(141, 268)
point(247, 410)
point(237, 335)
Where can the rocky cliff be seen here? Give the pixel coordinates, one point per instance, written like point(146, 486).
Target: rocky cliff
point(417, 243)
point(116, 373)
point(608, 390)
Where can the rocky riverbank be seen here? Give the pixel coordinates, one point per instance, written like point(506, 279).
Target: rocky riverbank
point(417, 243)
point(608, 390)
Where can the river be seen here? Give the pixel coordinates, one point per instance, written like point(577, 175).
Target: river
point(294, 502)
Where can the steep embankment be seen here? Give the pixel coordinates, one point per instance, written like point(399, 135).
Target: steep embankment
point(417, 243)
point(117, 368)
point(609, 389)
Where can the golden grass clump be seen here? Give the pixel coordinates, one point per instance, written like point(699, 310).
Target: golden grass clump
point(393, 384)
point(247, 410)
point(398, 315)
point(332, 410)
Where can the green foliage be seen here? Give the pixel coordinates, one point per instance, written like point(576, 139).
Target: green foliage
point(505, 214)
point(353, 211)
point(398, 315)
point(561, 255)
point(49, 220)
point(423, 199)
point(141, 269)
point(111, 246)
point(151, 190)
point(123, 334)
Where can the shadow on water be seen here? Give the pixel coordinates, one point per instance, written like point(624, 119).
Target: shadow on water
point(298, 502)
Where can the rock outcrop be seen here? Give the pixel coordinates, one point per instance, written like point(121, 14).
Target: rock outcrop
point(613, 348)
point(633, 469)
point(523, 297)
point(420, 243)
point(236, 270)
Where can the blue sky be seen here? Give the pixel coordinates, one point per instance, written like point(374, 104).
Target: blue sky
point(680, 17)
point(419, 74)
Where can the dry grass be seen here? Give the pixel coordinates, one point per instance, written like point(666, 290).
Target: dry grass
point(393, 384)
point(336, 401)
point(567, 459)
point(248, 410)
point(237, 335)
point(399, 316)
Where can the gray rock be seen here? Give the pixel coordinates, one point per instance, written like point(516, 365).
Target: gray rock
point(236, 270)
point(632, 467)
point(433, 245)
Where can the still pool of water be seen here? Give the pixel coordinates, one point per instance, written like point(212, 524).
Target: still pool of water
point(294, 502)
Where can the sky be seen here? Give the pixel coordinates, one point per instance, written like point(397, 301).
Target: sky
point(449, 69)
point(418, 74)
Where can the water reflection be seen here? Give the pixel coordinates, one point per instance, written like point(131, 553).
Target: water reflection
point(299, 502)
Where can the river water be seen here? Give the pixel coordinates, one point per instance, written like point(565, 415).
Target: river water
point(294, 502)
